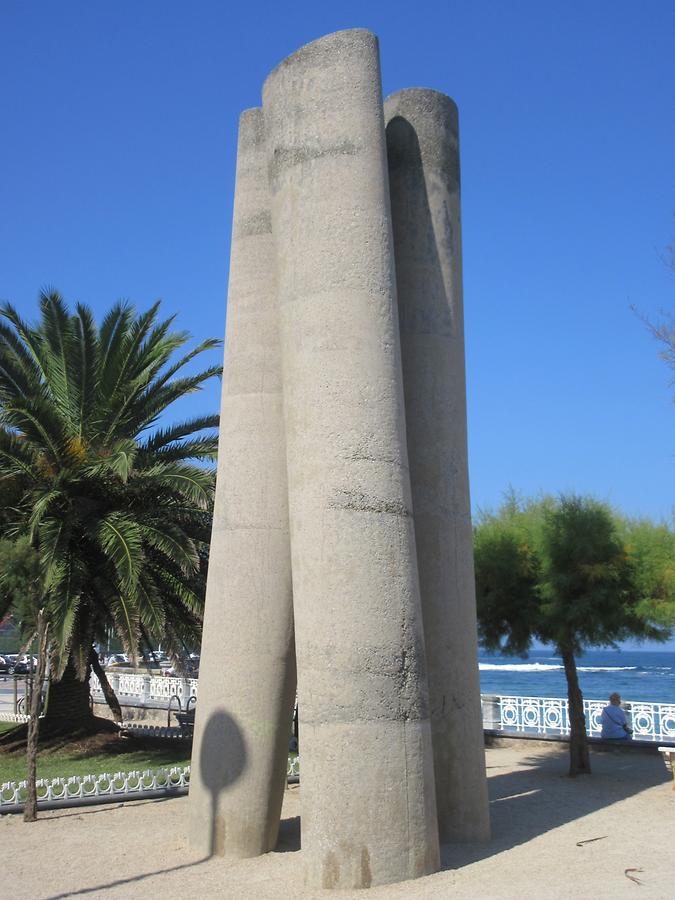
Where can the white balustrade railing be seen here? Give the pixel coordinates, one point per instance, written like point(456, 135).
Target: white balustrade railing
point(527, 715)
point(16, 718)
point(83, 790)
point(549, 716)
point(146, 688)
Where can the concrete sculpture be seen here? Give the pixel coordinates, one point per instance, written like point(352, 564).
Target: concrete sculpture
point(327, 492)
point(423, 154)
point(247, 667)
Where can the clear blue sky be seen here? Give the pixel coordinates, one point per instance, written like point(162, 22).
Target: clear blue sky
point(117, 164)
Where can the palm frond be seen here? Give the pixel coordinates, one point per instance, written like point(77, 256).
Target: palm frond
point(205, 448)
point(40, 507)
point(30, 337)
point(111, 337)
point(38, 423)
point(189, 482)
point(120, 537)
point(117, 460)
point(16, 457)
point(209, 344)
point(119, 364)
point(164, 436)
point(149, 406)
point(83, 367)
point(126, 622)
point(173, 543)
point(56, 332)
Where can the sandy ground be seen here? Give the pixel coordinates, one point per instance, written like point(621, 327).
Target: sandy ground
point(538, 817)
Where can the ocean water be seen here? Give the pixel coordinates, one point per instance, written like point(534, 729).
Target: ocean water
point(645, 675)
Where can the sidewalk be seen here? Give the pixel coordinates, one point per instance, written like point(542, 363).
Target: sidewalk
point(553, 838)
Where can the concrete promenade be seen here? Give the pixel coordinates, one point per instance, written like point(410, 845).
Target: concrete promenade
point(552, 838)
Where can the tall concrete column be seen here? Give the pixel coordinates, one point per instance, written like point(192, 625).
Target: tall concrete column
point(423, 153)
point(247, 667)
point(369, 812)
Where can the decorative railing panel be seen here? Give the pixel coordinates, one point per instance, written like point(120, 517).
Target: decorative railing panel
point(147, 688)
point(86, 789)
point(549, 716)
point(17, 718)
point(83, 790)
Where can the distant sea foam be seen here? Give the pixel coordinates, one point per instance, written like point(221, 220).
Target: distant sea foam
point(547, 667)
point(639, 675)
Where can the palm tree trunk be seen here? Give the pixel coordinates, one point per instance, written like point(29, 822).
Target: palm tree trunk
point(108, 692)
point(30, 809)
point(580, 763)
point(69, 698)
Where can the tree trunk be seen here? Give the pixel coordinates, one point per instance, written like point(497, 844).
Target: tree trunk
point(30, 809)
point(69, 698)
point(580, 763)
point(108, 693)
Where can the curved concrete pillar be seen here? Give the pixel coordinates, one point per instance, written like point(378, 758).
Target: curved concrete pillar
point(247, 670)
point(369, 813)
point(423, 154)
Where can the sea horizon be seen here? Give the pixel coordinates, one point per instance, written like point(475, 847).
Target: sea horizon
point(638, 675)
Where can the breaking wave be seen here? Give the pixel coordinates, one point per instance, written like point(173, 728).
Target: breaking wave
point(547, 667)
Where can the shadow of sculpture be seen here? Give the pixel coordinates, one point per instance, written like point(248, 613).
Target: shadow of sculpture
point(539, 796)
point(289, 835)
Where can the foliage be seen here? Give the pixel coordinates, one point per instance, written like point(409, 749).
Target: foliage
point(117, 509)
point(651, 548)
point(20, 581)
point(507, 576)
point(563, 572)
point(663, 330)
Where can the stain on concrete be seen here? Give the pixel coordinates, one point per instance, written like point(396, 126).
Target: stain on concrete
point(359, 502)
point(331, 871)
point(366, 875)
point(284, 158)
point(260, 223)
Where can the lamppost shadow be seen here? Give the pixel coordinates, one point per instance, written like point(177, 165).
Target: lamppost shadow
point(222, 760)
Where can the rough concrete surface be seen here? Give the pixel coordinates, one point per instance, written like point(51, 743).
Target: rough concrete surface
point(247, 666)
point(625, 811)
point(423, 156)
point(368, 788)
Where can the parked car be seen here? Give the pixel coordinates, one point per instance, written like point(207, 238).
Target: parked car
point(116, 659)
point(4, 666)
point(189, 669)
point(20, 665)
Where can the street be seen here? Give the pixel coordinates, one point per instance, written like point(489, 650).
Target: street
point(7, 692)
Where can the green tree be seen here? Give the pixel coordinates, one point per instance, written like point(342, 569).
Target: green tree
point(559, 572)
point(117, 509)
point(651, 549)
point(20, 580)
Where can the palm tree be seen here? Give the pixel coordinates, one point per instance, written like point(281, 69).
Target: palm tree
point(117, 508)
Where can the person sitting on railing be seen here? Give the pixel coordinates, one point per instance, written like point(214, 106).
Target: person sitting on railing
point(614, 721)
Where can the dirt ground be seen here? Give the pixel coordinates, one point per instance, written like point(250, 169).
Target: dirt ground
point(553, 837)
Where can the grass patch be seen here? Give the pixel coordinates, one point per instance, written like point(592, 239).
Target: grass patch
point(104, 754)
point(7, 726)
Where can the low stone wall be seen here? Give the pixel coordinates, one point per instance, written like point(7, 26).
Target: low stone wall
point(141, 714)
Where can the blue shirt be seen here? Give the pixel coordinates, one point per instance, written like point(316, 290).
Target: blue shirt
point(613, 719)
